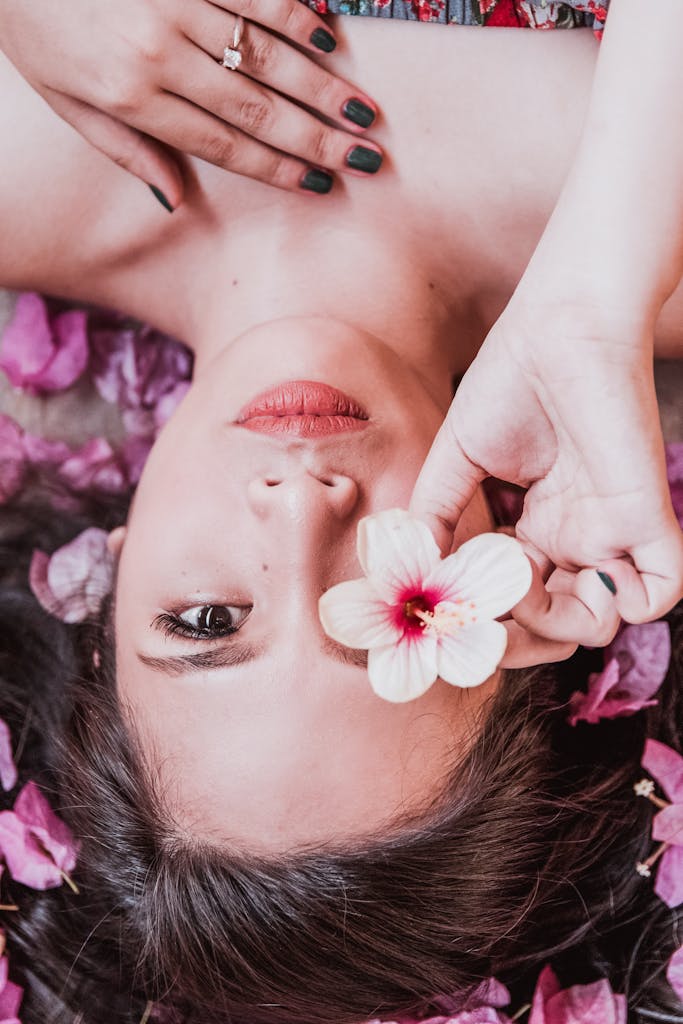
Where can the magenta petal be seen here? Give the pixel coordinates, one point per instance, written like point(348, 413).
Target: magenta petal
point(73, 582)
point(95, 465)
point(8, 771)
point(546, 987)
point(71, 352)
point(674, 471)
point(643, 653)
point(586, 1004)
point(32, 808)
point(26, 860)
point(669, 883)
point(169, 402)
point(12, 457)
point(674, 973)
point(588, 707)
point(27, 341)
point(667, 825)
point(10, 995)
point(666, 766)
point(40, 451)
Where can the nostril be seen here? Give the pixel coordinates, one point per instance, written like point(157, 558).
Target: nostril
point(271, 483)
point(327, 481)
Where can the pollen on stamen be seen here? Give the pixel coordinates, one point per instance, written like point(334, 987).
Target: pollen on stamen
point(448, 617)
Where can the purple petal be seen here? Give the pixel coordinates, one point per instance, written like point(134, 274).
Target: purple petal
point(26, 860)
point(546, 987)
point(580, 1004)
point(134, 454)
point(169, 402)
point(669, 883)
point(73, 582)
point(674, 471)
point(674, 973)
point(27, 341)
point(587, 707)
point(39, 451)
point(643, 653)
point(94, 466)
point(8, 771)
point(667, 825)
point(10, 995)
point(34, 811)
point(70, 356)
point(12, 458)
point(666, 766)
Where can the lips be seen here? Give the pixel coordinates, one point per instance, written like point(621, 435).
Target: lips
point(302, 408)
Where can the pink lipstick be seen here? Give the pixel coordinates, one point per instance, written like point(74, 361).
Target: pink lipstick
point(302, 408)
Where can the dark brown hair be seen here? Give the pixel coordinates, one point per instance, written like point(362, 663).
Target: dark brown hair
point(526, 856)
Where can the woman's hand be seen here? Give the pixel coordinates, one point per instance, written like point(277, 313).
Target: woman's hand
point(563, 405)
point(135, 77)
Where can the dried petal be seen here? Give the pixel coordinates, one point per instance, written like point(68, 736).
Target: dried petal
point(666, 766)
point(674, 973)
point(580, 1004)
point(669, 882)
point(11, 995)
point(73, 582)
point(8, 771)
point(40, 353)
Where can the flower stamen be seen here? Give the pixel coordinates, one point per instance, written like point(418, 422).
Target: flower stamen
point(644, 867)
point(448, 617)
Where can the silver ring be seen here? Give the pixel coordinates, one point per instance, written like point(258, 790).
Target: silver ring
point(232, 55)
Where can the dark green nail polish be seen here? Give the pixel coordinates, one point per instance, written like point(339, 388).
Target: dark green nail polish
point(360, 158)
point(317, 181)
point(325, 41)
point(358, 112)
point(158, 194)
point(608, 581)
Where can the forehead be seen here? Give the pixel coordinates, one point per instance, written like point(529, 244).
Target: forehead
point(294, 750)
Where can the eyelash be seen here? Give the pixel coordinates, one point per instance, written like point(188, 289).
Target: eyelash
point(173, 625)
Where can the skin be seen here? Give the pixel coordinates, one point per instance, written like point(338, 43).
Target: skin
point(386, 292)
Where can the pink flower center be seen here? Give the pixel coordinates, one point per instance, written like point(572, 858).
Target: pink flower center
point(411, 609)
point(426, 612)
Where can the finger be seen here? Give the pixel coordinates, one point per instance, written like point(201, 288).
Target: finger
point(262, 113)
point(571, 608)
point(289, 18)
point(647, 589)
point(525, 649)
point(182, 125)
point(136, 152)
point(276, 63)
point(445, 486)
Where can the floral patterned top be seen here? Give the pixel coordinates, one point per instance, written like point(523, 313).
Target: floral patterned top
point(542, 14)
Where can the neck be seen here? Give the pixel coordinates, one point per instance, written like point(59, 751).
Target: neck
point(372, 283)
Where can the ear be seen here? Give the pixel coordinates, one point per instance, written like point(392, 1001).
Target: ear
point(115, 541)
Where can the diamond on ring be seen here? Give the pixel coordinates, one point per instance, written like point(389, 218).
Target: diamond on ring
point(232, 57)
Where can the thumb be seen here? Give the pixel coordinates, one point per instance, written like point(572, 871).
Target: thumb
point(445, 486)
point(136, 152)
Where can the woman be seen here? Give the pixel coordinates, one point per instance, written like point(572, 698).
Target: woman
point(292, 868)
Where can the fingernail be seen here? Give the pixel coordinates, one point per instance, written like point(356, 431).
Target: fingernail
point(358, 112)
point(360, 158)
point(608, 581)
point(158, 194)
point(325, 41)
point(317, 181)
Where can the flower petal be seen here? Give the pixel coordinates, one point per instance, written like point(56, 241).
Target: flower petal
point(70, 357)
point(401, 672)
point(73, 582)
point(396, 551)
point(669, 883)
point(53, 834)
point(353, 615)
point(674, 973)
point(27, 342)
point(667, 825)
point(472, 654)
point(10, 995)
point(491, 570)
point(26, 860)
point(12, 457)
point(585, 707)
point(8, 771)
point(666, 766)
point(643, 652)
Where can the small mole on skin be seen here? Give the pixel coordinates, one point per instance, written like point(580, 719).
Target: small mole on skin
point(432, 286)
point(264, 567)
point(234, 282)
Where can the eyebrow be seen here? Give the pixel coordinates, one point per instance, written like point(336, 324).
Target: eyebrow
point(236, 652)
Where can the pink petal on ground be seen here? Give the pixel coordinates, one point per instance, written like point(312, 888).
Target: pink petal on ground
point(11, 995)
point(396, 552)
point(674, 973)
point(40, 451)
point(26, 860)
point(609, 694)
point(546, 987)
point(70, 356)
point(674, 472)
point(666, 766)
point(8, 771)
point(95, 465)
point(643, 653)
point(580, 1004)
point(32, 808)
point(73, 582)
point(669, 882)
point(403, 671)
point(352, 614)
point(667, 825)
point(169, 402)
point(585, 707)
point(134, 453)
point(490, 570)
point(12, 458)
point(27, 341)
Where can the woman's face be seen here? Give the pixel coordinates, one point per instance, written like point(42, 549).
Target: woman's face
point(273, 738)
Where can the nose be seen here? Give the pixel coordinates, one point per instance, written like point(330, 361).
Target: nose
point(304, 496)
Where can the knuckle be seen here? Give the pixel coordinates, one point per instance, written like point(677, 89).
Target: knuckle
point(293, 21)
point(321, 90)
point(124, 96)
point(220, 149)
point(262, 54)
point(319, 147)
point(254, 116)
point(149, 42)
